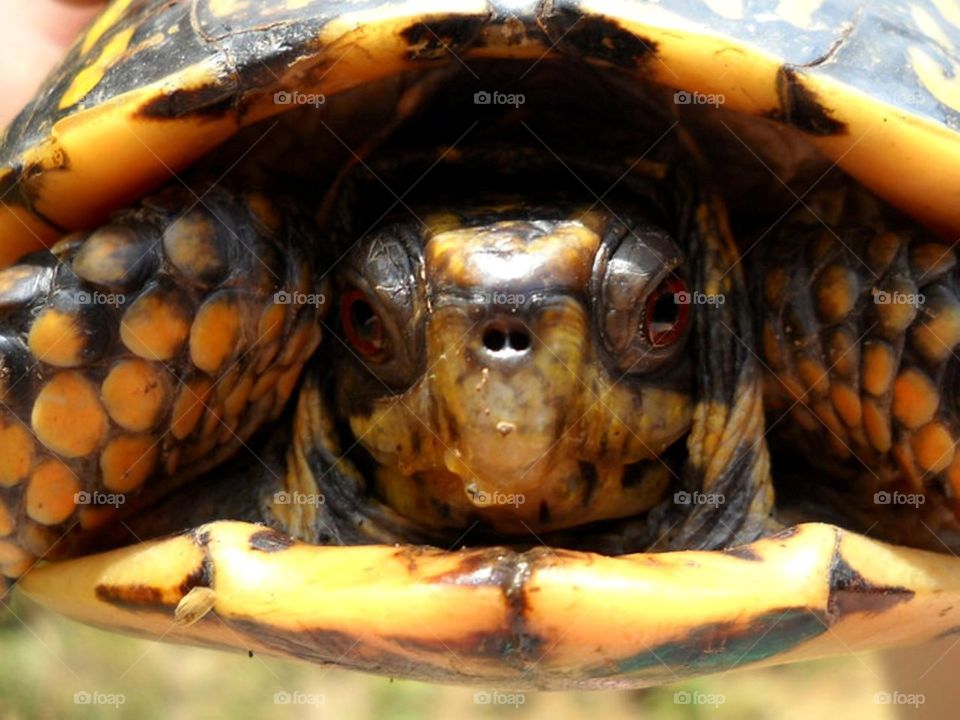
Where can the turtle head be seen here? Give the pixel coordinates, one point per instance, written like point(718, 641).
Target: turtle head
point(525, 370)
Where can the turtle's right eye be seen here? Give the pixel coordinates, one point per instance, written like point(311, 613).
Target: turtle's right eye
point(382, 309)
point(362, 325)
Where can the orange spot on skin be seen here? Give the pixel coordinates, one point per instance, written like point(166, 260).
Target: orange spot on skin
point(50, 493)
point(877, 369)
point(301, 345)
point(155, 326)
point(843, 353)
point(11, 553)
point(109, 256)
point(236, 402)
point(285, 386)
point(264, 212)
point(876, 421)
point(67, 416)
point(953, 475)
point(189, 406)
point(6, 520)
point(57, 338)
point(127, 461)
point(16, 452)
point(847, 403)
point(881, 251)
point(915, 398)
point(37, 539)
point(931, 260)
point(270, 327)
point(215, 334)
point(933, 447)
point(134, 394)
point(938, 334)
point(265, 383)
point(837, 290)
point(191, 245)
point(814, 375)
point(16, 569)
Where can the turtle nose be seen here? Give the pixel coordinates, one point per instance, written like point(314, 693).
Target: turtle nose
point(505, 339)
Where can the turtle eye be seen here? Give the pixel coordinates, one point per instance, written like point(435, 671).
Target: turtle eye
point(667, 312)
point(362, 324)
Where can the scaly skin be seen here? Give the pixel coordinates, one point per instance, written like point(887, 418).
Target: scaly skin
point(858, 325)
point(149, 349)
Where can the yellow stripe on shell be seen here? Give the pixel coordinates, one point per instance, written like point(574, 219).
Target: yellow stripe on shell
point(407, 607)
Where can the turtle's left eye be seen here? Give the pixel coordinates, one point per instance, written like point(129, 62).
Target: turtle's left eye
point(643, 301)
point(667, 312)
point(362, 325)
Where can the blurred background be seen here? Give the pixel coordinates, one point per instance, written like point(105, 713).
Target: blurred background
point(57, 669)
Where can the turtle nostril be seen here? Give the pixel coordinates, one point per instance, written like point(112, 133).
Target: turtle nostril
point(519, 340)
point(506, 340)
point(494, 339)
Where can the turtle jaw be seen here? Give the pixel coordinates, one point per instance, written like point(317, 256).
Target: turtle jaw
point(538, 619)
point(539, 438)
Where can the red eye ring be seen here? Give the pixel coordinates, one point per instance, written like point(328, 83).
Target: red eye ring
point(362, 324)
point(667, 312)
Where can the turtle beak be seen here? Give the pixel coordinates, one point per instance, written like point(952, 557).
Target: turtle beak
point(539, 619)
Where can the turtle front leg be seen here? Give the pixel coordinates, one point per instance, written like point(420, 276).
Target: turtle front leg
point(859, 323)
point(141, 354)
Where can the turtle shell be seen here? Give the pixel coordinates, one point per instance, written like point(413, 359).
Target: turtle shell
point(152, 86)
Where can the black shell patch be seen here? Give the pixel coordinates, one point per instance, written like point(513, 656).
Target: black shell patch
point(434, 39)
point(850, 592)
point(210, 100)
point(270, 541)
point(598, 37)
point(801, 107)
point(134, 597)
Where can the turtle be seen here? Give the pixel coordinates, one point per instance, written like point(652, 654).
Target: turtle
point(535, 345)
